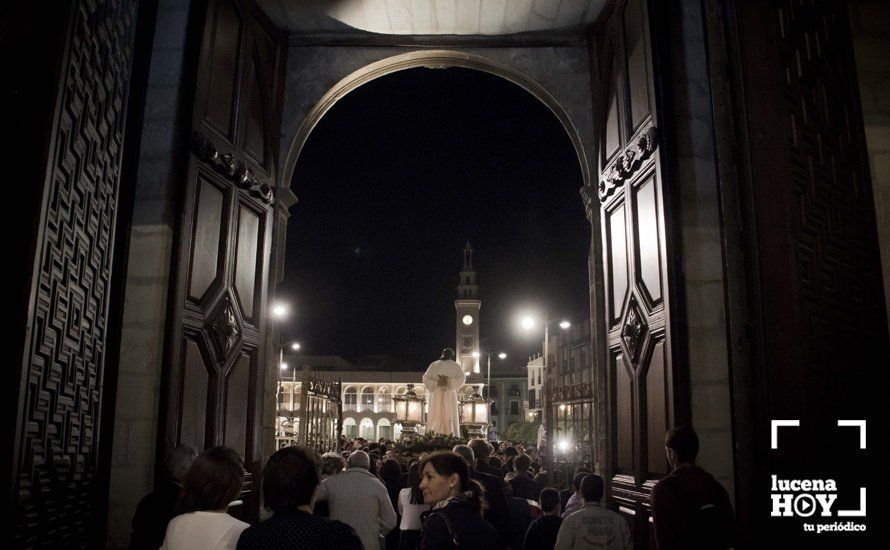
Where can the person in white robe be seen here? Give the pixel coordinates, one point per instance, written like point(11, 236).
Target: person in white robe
point(442, 379)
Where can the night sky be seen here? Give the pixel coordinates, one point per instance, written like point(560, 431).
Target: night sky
point(392, 183)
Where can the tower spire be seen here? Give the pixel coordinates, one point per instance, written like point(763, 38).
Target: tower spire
point(467, 308)
point(466, 288)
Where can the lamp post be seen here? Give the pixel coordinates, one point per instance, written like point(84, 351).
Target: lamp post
point(278, 312)
point(501, 355)
point(529, 323)
point(295, 346)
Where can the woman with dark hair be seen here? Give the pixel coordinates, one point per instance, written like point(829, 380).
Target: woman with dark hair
point(410, 508)
point(390, 473)
point(289, 482)
point(456, 520)
point(213, 482)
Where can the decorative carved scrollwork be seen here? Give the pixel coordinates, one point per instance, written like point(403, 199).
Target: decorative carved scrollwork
point(625, 166)
point(633, 331)
point(235, 170)
point(224, 330)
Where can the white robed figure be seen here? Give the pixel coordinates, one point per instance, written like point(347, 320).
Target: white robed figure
point(442, 379)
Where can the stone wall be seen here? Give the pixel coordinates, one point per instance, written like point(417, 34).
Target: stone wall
point(148, 272)
point(870, 24)
point(689, 117)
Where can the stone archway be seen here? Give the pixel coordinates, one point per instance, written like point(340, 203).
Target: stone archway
point(571, 118)
point(559, 80)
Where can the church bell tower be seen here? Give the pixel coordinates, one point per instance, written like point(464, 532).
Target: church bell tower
point(467, 308)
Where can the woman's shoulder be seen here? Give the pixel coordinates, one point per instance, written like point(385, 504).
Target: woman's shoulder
point(205, 516)
point(461, 519)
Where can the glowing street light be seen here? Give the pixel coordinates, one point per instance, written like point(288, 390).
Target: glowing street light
point(529, 322)
point(284, 366)
point(280, 310)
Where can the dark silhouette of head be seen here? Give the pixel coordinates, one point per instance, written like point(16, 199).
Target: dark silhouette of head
point(521, 464)
point(592, 487)
point(290, 478)
point(682, 443)
point(576, 481)
point(549, 501)
point(180, 460)
point(467, 452)
point(448, 353)
point(481, 449)
point(214, 480)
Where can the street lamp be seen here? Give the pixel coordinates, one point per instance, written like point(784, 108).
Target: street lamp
point(501, 355)
point(528, 323)
point(294, 346)
point(293, 410)
point(280, 310)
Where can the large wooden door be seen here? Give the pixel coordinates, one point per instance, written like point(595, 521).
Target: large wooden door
point(215, 363)
point(70, 111)
point(817, 316)
point(636, 251)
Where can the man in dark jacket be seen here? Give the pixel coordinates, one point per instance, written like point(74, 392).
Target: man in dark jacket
point(541, 534)
point(482, 451)
point(523, 486)
point(496, 514)
point(690, 509)
point(156, 509)
point(520, 519)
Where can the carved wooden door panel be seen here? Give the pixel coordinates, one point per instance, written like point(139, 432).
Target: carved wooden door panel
point(819, 321)
point(635, 259)
point(215, 364)
point(70, 157)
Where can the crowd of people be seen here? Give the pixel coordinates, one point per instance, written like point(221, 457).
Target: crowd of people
point(473, 496)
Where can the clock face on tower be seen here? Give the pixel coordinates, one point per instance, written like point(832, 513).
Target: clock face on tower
point(467, 320)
